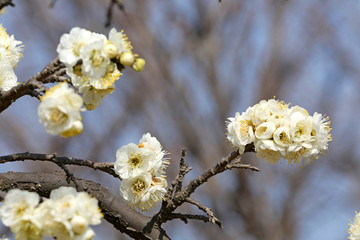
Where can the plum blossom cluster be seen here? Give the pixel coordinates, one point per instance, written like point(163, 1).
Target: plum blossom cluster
point(141, 168)
point(95, 62)
point(278, 131)
point(66, 215)
point(59, 111)
point(354, 229)
point(10, 54)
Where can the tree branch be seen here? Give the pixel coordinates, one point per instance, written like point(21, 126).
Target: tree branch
point(104, 167)
point(170, 202)
point(4, 3)
point(114, 209)
point(119, 3)
point(51, 73)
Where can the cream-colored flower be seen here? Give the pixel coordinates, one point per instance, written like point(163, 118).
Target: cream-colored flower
point(320, 133)
point(131, 160)
point(95, 59)
point(354, 229)
point(88, 208)
point(267, 150)
point(68, 214)
point(93, 97)
point(282, 137)
point(17, 204)
point(265, 130)
point(71, 44)
point(152, 144)
point(12, 48)
point(152, 195)
point(120, 41)
point(280, 132)
point(59, 111)
point(260, 112)
point(240, 131)
point(133, 189)
point(17, 212)
point(8, 78)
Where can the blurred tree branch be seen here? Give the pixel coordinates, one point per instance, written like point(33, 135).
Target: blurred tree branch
point(4, 3)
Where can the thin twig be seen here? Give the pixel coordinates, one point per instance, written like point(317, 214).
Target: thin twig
point(208, 211)
point(185, 217)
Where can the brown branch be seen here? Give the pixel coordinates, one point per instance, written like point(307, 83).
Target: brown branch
point(114, 209)
point(119, 3)
point(104, 167)
point(211, 218)
point(54, 69)
point(170, 202)
point(177, 182)
point(185, 217)
point(4, 3)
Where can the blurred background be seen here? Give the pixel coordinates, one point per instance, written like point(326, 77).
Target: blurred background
point(207, 60)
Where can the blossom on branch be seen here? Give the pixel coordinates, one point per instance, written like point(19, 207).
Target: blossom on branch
point(354, 229)
point(59, 111)
point(94, 62)
point(141, 169)
point(278, 131)
point(66, 215)
point(17, 212)
point(10, 54)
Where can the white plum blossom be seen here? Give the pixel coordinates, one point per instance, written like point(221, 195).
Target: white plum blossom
point(240, 131)
point(141, 169)
point(66, 215)
point(354, 229)
point(72, 213)
point(70, 45)
point(94, 57)
point(133, 189)
point(8, 79)
point(13, 48)
point(10, 54)
point(278, 131)
point(131, 160)
point(120, 41)
point(154, 194)
point(17, 212)
point(59, 111)
point(151, 143)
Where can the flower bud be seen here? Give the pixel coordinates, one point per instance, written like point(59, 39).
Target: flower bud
point(79, 224)
point(127, 58)
point(111, 50)
point(139, 64)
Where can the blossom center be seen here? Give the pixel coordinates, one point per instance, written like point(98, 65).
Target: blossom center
point(97, 59)
point(284, 138)
point(58, 117)
point(138, 186)
point(135, 161)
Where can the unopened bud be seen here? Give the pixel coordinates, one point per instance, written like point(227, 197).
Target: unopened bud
point(127, 58)
point(79, 224)
point(111, 50)
point(139, 64)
